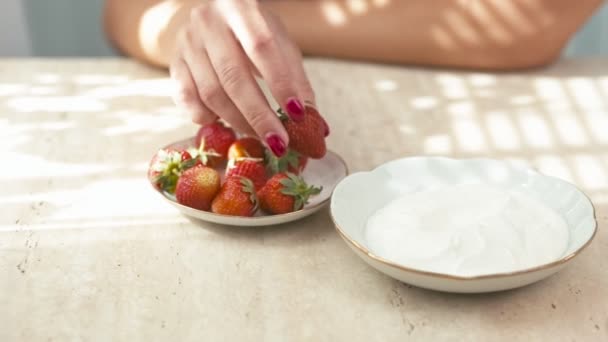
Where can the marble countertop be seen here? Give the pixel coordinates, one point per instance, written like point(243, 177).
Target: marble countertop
point(89, 252)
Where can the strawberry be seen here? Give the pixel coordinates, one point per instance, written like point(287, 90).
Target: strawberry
point(284, 193)
point(292, 161)
point(247, 147)
point(166, 166)
point(157, 165)
point(306, 136)
point(251, 168)
point(214, 140)
point(185, 155)
point(197, 187)
point(237, 198)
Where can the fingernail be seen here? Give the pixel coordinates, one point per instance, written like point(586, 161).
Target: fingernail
point(326, 128)
point(276, 144)
point(295, 109)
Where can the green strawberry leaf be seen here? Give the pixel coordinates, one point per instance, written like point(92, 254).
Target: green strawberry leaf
point(296, 187)
point(315, 191)
point(290, 192)
point(249, 188)
point(292, 158)
point(298, 204)
point(288, 183)
point(185, 165)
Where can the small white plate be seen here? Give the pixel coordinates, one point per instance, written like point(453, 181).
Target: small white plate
point(326, 172)
point(359, 195)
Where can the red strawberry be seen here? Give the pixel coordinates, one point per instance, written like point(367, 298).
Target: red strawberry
point(250, 168)
point(306, 136)
point(284, 193)
point(246, 148)
point(197, 187)
point(166, 166)
point(237, 198)
point(214, 140)
point(292, 161)
point(185, 155)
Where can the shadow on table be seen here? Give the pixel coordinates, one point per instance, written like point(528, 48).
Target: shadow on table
point(117, 115)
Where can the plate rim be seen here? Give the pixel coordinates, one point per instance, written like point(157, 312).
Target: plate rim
point(284, 218)
point(564, 259)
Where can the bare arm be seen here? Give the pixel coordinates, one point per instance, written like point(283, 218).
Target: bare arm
point(493, 34)
point(146, 29)
point(483, 34)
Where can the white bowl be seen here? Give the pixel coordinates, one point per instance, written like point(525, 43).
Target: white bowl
point(359, 195)
point(325, 172)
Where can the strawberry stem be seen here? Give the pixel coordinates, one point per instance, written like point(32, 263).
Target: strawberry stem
point(282, 115)
point(296, 187)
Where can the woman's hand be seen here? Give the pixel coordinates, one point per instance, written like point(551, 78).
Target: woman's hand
point(222, 48)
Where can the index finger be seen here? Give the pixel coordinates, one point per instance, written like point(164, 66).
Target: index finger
point(260, 43)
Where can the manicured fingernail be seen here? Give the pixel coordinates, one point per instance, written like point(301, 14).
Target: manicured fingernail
point(326, 128)
point(295, 109)
point(276, 144)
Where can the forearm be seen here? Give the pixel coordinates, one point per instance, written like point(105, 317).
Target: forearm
point(147, 29)
point(491, 34)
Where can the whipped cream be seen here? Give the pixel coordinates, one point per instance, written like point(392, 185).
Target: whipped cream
point(467, 230)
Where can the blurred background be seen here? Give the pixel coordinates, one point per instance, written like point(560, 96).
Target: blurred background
point(73, 28)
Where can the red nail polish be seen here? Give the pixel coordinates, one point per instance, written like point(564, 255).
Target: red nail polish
point(295, 109)
point(326, 128)
point(276, 144)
